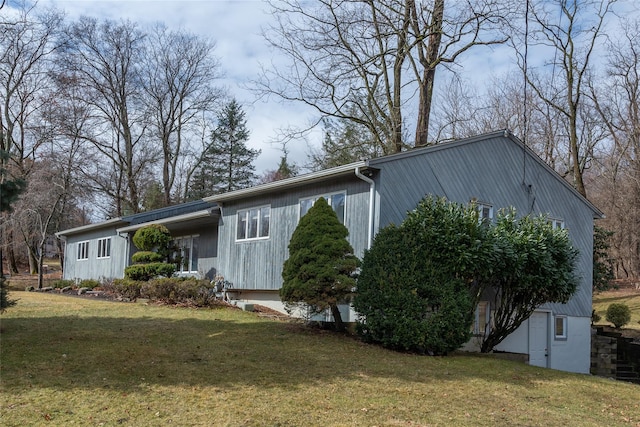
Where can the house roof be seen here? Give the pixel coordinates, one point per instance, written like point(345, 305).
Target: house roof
point(189, 213)
point(191, 218)
point(351, 168)
point(168, 212)
point(505, 133)
point(287, 183)
point(90, 227)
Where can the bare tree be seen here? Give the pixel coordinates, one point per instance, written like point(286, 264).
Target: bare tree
point(28, 39)
point(364, 61)
point(572, 30)
point(179, 72)
point(618, 104)
point(36, 210)
point(103, 58)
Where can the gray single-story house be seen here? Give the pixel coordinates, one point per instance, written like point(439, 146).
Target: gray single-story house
point(243, 235)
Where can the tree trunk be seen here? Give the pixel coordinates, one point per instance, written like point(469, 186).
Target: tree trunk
point(429, 63)
point(11, 256)
point(337, 318)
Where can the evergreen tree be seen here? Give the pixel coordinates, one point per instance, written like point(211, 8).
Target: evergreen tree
point(227, 162)
point(285, 170)
point(10, 189)
point(321, 263)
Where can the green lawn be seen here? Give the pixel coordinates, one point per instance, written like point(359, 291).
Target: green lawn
point(70, 361)
point(601, 302)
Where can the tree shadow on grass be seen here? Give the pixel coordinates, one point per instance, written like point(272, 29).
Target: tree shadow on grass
point(121, 353)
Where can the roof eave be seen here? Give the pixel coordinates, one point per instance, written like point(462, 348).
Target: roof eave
point(171, 220)
point(89, 227)
point(287, 183)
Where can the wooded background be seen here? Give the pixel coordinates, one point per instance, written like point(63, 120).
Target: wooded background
point(104, 118)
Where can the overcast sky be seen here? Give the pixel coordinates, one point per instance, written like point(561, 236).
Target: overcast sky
point(235, 26)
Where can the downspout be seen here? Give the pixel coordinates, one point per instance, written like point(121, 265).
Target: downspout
point(126, 251)
point(372, 195)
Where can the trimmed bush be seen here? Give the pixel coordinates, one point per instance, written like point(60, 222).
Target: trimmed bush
point(320, 269)
point(146, 257)
point(149, 271)
point(619, 314)
point(153, 237)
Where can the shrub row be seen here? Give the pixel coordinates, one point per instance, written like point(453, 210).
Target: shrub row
point(168, 290)
point(86, 283)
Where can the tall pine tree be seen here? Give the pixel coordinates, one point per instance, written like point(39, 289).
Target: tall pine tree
point(227, 163)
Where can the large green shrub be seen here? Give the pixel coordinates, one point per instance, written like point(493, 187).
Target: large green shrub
point(321, 263)
point(413, 291)
point(532, 264)
point(619, 314)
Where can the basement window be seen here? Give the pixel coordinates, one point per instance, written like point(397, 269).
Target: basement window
point(560, 327)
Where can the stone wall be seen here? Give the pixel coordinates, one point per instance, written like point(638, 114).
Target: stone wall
point(604, 355)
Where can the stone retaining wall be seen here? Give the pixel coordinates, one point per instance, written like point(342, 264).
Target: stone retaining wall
point(604, 355)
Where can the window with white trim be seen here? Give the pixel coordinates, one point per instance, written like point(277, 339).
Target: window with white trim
point(83, 250)
point(104, 247)
point(556, 223)
point(186, 253)
point(560, 327)
point(335, 200)
point(485, 212)
point(253, 223)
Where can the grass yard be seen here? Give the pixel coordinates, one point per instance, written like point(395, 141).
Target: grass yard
point(630, 297)
point(72, 361)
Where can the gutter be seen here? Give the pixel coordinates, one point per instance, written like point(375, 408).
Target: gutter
point(372, 194)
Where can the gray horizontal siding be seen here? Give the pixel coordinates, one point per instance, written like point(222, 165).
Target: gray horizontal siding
point(257, 264)
point(498, 172)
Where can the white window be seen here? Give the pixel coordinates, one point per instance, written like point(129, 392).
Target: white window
point(335, 200)
point(253, 223)
point(104, 247)
point(556, 223)
point(186, 254)
point(83, 250)
point(561, 327)
point(485, 212)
